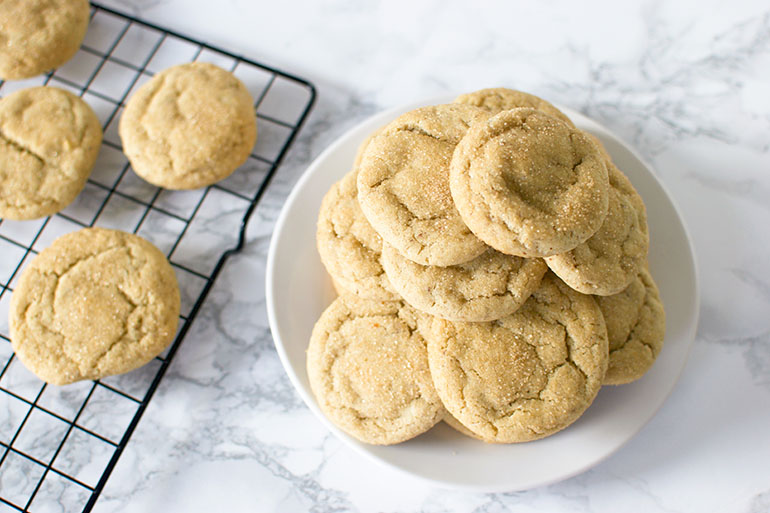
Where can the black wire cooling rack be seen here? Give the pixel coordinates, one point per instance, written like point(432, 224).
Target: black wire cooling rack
point(58, 445)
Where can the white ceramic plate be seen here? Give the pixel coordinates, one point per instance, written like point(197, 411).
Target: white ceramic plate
point(298, 290)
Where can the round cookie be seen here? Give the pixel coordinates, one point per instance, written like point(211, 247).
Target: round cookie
point(49, 141)
point(528, 184)
point(607, 262)
point(190, 126)
point(487, 288)
point(368, 369)
point(527, 375)
point(636, 325)
point(403, 185)
point(458, 426)
point(95, 303)
point(348, 246)
point(39, 35)
point(498, 99)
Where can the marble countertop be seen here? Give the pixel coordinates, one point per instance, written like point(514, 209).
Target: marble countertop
point(686, 83)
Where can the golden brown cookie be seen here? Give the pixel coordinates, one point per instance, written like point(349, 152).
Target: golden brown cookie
point(607, 262)
point(49, 141)
point(498, 99)
point(487, 288)
point(39, 35)
point(527, 375)
point(528, 184)
point(96, 302)
point(636, 325)
point(348, 246)
point(368, 369)
point(403, 185)
point(190, 126)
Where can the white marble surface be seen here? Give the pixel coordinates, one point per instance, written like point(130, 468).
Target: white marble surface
point(686, 83)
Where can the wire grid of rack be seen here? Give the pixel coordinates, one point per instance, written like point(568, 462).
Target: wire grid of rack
point(58, 445)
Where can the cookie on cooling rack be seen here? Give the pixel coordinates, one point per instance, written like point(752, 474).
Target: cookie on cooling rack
point(192, 125)
point(50, 141)
point(39, 35)
point(95, 303)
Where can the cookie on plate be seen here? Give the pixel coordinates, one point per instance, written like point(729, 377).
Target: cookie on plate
point(50, 141)
point(403, 185)
point(527, 375)
point(190, 126)
point(95, 303)
point(488, 287)
point(528, 184)
point(607, 262)
point(39, 35)
point(348, 245)
point(498, 99)
point(636, 325)
point(368, 369)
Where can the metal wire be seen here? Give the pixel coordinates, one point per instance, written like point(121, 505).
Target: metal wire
point(38, 423)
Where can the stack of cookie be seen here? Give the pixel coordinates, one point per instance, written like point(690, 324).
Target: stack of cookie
point(439, 242)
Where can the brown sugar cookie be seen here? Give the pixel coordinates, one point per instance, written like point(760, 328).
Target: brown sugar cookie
point(403, 185)
point(348, 246)
point(636, 325)
point(528, 184)
point(49, 141)
point(368, 369)
point(488, 287)
point(527, 375)
point(190, 126)
point(39, 35)
point(95, 303)
point(498, 99)
point(607, 262)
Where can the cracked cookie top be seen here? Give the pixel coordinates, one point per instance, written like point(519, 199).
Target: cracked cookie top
point(190, 126)
point(403, 185)
point(528, 184)
point(498, 99)
point(368, 369)
point(524, 376)
point(95, 303)
point(39, 35)
point(49, 140)
point(348, 245)
point(606, 263)
point(487, 288)
point(636, 325)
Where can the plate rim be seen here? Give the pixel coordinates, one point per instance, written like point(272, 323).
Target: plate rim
point(310, 402)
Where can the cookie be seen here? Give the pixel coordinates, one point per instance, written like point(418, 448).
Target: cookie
point(95, 303)
point(348, 246)
point(458, 426)
point(498, 99)
point(488, 287)
point(39, 35)
point(636, 325)
point(527, 375)
point(368, 369)
point(607, 262)
point(190, 126)
point(49, 141)
point(403, 185)
point(528, 184)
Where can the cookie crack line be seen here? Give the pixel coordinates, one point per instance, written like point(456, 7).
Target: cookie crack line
point(416, 129)
point(24, 149)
